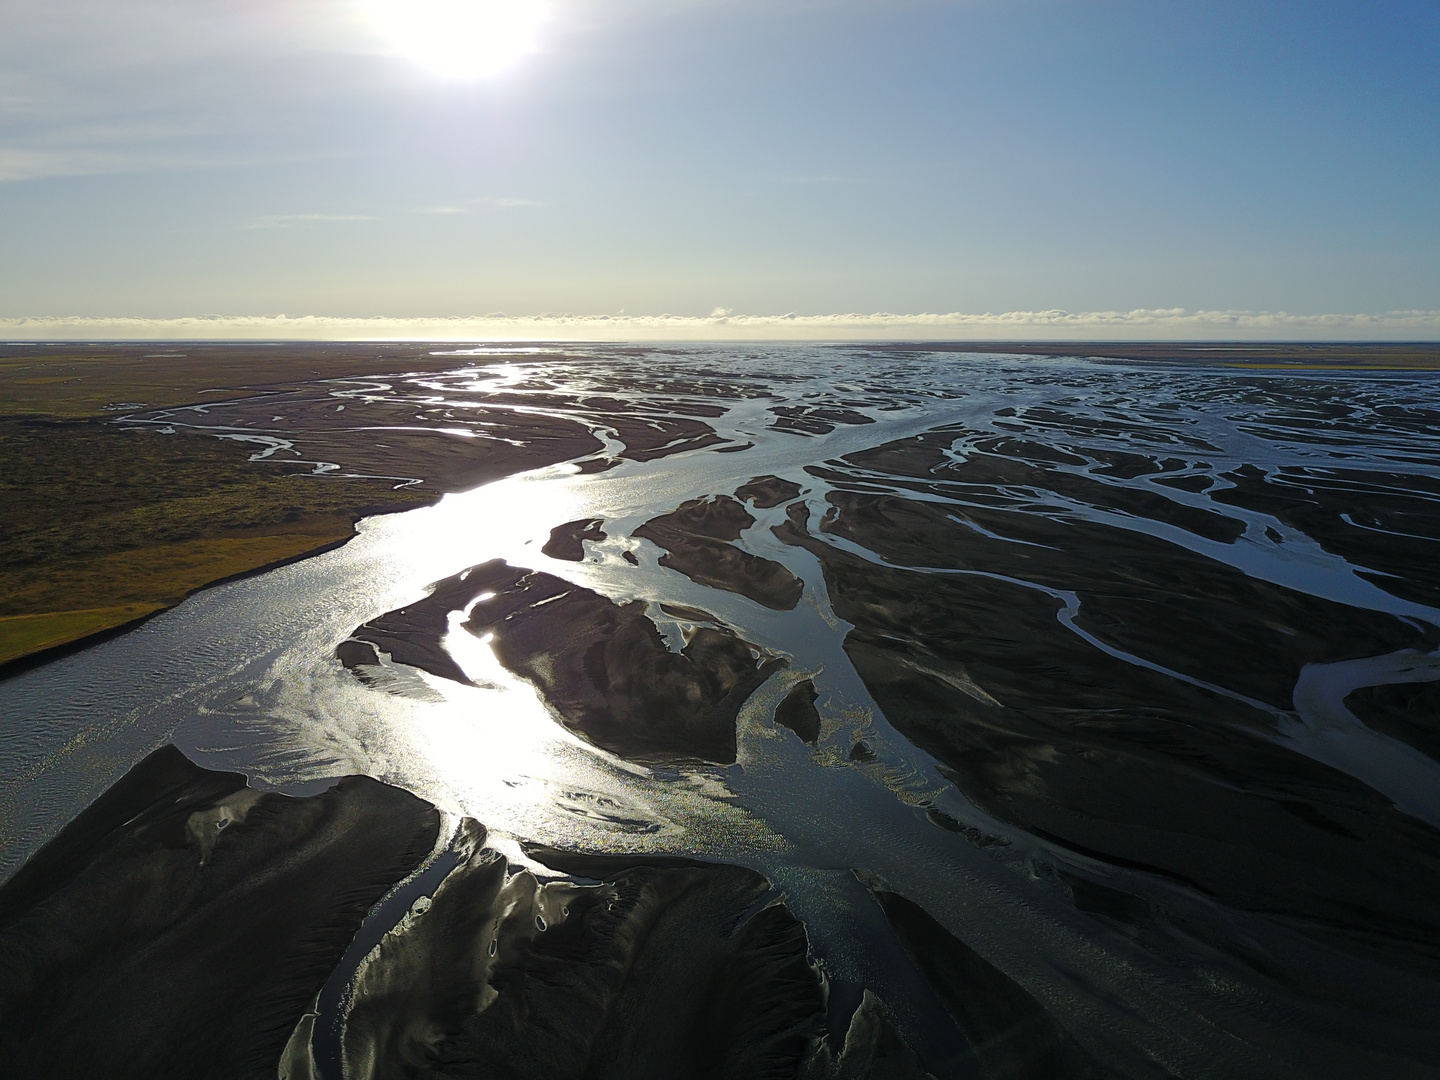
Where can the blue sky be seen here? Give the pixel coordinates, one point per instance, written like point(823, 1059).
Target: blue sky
point(165, 158)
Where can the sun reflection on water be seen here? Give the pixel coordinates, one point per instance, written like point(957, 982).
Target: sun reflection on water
point(493, 750)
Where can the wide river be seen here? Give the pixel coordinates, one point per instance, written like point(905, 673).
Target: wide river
point(244, 676)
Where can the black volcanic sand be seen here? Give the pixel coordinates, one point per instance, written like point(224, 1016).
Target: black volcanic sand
point(1109, 759)
point(686, 614)
point(1301, 355)
point(568, 541)
point(442, 459)
point(183, 922)
point(408, 434)
point(606, 670)
point(816, 419)
point(1218, 624)
point(1409, 712)
point(798, 713)
point(635, 969)
point(602, 666)
point(443, 431)
point(1010, 1033)
point(1393, 526)
point(767, 491)
point(696, 539)
point(414, 634)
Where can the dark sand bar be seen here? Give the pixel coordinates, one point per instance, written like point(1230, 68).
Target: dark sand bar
point(181, 925)
point(603, 667)
point(698, 541)
point(625, 968)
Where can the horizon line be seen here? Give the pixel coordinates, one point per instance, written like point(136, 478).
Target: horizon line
point(1137, 325)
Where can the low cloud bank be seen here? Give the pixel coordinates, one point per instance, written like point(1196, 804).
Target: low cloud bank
point(1175, 324)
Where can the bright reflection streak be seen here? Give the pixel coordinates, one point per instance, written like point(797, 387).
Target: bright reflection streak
point(502, 757)
point(465, 39)
point(493, 750)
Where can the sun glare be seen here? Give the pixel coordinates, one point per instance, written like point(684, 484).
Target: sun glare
point(464, 39)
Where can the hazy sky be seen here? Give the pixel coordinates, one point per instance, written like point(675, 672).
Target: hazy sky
point(163, 158)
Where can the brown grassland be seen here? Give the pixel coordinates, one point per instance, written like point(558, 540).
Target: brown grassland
point(100, 525)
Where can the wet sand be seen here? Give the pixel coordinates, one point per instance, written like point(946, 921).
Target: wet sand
point(696, 538)
point(414, 634)
point(956, 635)
point(603, 667)
point(608, 673)
point(1010, 1033)
point(182, 923)
point(798, 713)
point(1302, 355)
point(767, 492)
point(976, 611)
point(507, 974)
point(1126, 765)
point(1409, 712)
point(568, 541)
point(110, 517)
point(365, 419)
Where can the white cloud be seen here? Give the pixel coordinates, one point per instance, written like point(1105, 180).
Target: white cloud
point(1174, 324)
point(60, 159)
point(96, 146)
point(286, 221)
point(491, 202)
point(22, 164)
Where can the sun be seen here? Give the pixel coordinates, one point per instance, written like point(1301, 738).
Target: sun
point(465, 39)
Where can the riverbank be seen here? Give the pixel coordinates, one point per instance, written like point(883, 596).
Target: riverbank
point(109, 518)
point(105, 526)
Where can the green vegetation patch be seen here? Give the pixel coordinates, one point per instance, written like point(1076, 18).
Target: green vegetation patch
point(100, 525)
point(21, 635)
point(74, 489)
